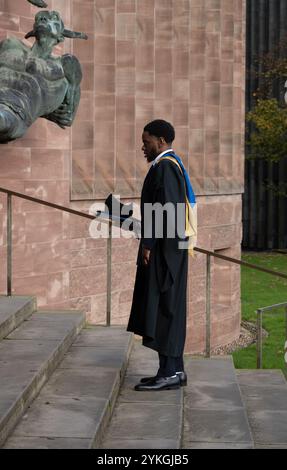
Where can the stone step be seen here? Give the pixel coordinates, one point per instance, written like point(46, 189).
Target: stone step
point(13, 311)
point(75, 406)
point(145, 420)
point(265, 396)
point(28, 356)
point(215, 416)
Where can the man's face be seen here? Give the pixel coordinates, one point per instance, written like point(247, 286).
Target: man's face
point(151, 146)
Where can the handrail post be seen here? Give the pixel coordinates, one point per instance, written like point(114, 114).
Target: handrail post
point(109, 275)
point(208, 325)
point(9, 244)
point(259, 338)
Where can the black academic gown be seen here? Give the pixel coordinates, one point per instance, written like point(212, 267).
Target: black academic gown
point(158, 312)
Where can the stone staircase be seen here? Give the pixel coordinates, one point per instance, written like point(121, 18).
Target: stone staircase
point(64, 384)
point(58, 379)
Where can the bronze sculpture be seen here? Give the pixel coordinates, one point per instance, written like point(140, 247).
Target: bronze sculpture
point(33, 82)
point(38, 3)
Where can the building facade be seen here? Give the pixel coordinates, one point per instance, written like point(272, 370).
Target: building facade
point(179, 60)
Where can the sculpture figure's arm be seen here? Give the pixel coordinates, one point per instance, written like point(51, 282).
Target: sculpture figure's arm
point(65, 114)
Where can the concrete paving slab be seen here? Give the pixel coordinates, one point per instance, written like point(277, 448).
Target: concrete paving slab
point(62, 417)
point(77, 402)
point(38, 328)
point(131, 421)
point(217, 396)
point(145, 420)
point(91, 382)
point(26, 364)
point(141, 444)
point(143, 361)
point(269, 427)
point(217, 445)
point(47, 443)
point(270, 397)
point(13, 311)
point(202, 425)
point(266, 446)
point(91, 338)
point(260, 377)
point(86, 357)
point(210, 370)
point(12, 351)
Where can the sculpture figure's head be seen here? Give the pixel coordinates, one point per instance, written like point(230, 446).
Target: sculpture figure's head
point(50, 24)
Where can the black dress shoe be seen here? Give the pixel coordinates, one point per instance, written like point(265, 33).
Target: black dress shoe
point(182, 379)
point(159, 383)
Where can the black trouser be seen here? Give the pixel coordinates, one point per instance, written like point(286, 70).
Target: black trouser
point(168, 365)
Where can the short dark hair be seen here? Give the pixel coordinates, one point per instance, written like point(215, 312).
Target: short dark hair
point(161, 128)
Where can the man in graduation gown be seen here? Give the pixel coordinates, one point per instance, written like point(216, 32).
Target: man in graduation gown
point(158, 312)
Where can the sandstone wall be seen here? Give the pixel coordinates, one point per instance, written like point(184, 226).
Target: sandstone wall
point(181, 60)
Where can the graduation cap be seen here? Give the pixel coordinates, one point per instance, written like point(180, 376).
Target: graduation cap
point(116, 208)
point(118, 213)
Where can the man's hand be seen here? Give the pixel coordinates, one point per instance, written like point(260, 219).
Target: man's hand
point(146, 256)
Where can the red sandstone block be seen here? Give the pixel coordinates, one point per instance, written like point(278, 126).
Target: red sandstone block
point(163, 86)
point(126, 6)
point(227, 49)
point(145, 84)
point(42, 226)
point(146, 8)
point(58, 138)
point(197, 65)
point(212, 4)
point(163, 4)
point(196, 117)
point(163, 110)
point(125, 109)
point(9, 22)
point(145, 29)
point(87, 281)
point(15, 162)
point(49, 161)
point(56, 192)
point(105, 50)
point(181, 113)
point(212, 118)
point(163, 60)
point(126, 81)
point(125, 53)
point(83, 135)
point(123, 276)
point(86, 258)
point(104, 18)
point(105, 79)
point(85, 50)
point(83, 16)
point(104, 108)
point(105, 3)
point(213, 70)
point(213, 43)
point(198, 19)
point(126, 26)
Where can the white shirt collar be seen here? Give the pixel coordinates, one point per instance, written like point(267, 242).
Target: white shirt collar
point(161, 155)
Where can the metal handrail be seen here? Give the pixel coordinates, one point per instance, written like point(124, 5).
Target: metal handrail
point(208, 287)
point(63, 209)
point(260, 312)
point(109, 255)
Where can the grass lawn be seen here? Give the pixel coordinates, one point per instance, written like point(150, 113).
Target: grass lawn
point(262, 290)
